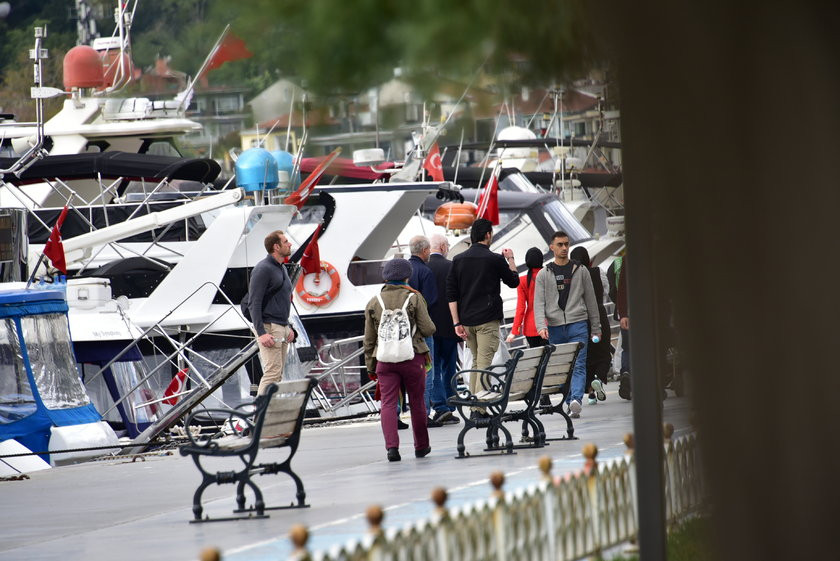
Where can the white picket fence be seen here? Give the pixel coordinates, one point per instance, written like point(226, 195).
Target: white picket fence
point(556, 519)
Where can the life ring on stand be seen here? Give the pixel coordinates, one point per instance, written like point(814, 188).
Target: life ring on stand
point(312, 296)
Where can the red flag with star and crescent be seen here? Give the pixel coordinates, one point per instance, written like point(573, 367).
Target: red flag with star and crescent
point(54, 249)
point(311, 260)
point(433, 164)
point(173, 391)
point(488, 204)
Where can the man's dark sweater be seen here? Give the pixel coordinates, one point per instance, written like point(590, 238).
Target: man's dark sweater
point(269, 277)
point(423, 280)
point(473, 283)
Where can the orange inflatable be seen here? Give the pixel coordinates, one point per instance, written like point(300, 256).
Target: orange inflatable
point(321, 298)
point(455, 216)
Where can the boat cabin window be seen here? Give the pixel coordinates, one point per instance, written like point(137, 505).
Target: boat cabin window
point(53, 364)
point(16, 399)
point(162, 147)
point(559, 218)
point(517, 231)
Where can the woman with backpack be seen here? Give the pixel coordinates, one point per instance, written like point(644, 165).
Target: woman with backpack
point(396, 321)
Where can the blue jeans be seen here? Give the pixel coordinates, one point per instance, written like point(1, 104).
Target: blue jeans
point(573, 333)
point(446, 358)
point(430, 375)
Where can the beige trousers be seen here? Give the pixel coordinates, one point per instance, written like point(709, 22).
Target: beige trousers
point(273, 359)
point(483, 342)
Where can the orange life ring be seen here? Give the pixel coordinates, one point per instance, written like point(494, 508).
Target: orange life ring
point(455, 216)
point(321, 298)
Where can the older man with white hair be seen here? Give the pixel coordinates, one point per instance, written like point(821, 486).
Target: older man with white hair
point(423, 281)
point(445, 339)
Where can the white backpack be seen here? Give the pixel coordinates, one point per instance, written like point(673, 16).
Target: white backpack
point(395, 334)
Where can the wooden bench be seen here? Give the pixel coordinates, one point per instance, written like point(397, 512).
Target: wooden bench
point(273, 420)
point(556, 379)
point(519, 381)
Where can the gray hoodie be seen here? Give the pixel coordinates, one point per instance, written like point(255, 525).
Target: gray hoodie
point(580, 306)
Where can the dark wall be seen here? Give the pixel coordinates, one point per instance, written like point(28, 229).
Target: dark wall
point(730, 123)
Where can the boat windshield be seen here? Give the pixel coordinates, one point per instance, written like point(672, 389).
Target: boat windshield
point(518, 182)
point(560, 218)
point(47, 340)
point(16, 399)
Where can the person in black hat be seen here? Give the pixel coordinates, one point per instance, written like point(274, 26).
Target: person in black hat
point(412, 373)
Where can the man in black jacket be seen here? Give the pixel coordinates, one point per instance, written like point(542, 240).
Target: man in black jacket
point(474, 295)
point(269, 301)
point(445, 340)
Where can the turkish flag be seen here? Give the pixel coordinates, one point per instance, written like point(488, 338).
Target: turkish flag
point(231, 48)
point(54, 250)
point(175, 387)
point(298, 198)
point(433, 164)
point(311, 260)
point(488, 204)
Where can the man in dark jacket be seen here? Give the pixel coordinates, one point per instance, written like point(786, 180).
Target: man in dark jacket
point(423, 281)
point(474, 295)
point(445, 340)
point(269, 301)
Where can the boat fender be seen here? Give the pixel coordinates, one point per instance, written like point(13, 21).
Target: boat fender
point(320, 298)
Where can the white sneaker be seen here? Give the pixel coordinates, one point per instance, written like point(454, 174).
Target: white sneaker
point(574, 409)
point(598, 388)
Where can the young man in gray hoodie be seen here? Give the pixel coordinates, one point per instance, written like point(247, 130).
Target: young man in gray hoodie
point(564, 301)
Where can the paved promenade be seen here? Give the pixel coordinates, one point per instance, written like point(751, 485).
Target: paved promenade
point(138, 510)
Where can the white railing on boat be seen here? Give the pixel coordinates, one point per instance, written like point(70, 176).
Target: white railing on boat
point(560, 518)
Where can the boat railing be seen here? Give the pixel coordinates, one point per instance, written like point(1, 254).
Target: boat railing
point(183, 354)
point(337, 362)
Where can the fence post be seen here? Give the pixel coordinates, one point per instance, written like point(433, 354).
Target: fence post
point(590, 472)
point(672, 490)
point(374, 515)
point(210, 554)
point(549, 496)
point(497, 480)
point(442, 523)
point(630, 443)
point(299, 536)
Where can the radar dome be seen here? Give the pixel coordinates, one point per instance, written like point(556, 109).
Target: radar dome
point(524, 158)
point(256, 170)
point(83, 68)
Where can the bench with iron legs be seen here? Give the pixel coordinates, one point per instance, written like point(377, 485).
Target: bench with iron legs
point(273, 420)
point(556, 379)
point(518, 382)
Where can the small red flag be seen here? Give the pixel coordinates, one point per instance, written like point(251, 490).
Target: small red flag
point(488, 204)
point(231, 48)
point(54, 250)
point(175, 387)
point(433, 164)
point(298, 198)
point(311, 260)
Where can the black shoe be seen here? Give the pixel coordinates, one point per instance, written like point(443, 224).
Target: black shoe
point(394, 454)
point(624, 386)
point(422, 452)
point(401, 425)
point(545, 400)
point(432, 423)
point(444, 417)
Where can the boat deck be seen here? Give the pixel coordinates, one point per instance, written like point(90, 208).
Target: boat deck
point(138, 509)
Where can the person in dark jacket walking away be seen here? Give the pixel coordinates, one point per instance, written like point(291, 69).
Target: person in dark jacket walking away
point(598, 355)
point(445, 340)
point(269, 301)
point(411, 373)
point(474, 295)
point(423, 280)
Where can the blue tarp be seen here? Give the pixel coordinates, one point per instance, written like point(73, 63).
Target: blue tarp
point(33, 431)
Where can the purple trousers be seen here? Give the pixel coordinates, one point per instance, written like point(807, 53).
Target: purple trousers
point(411, 373)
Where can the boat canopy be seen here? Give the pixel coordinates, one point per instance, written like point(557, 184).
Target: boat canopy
point(112, 165)
point(39, 384)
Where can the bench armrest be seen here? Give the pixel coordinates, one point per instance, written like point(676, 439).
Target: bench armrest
point(497, 384)
point(208, 442)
